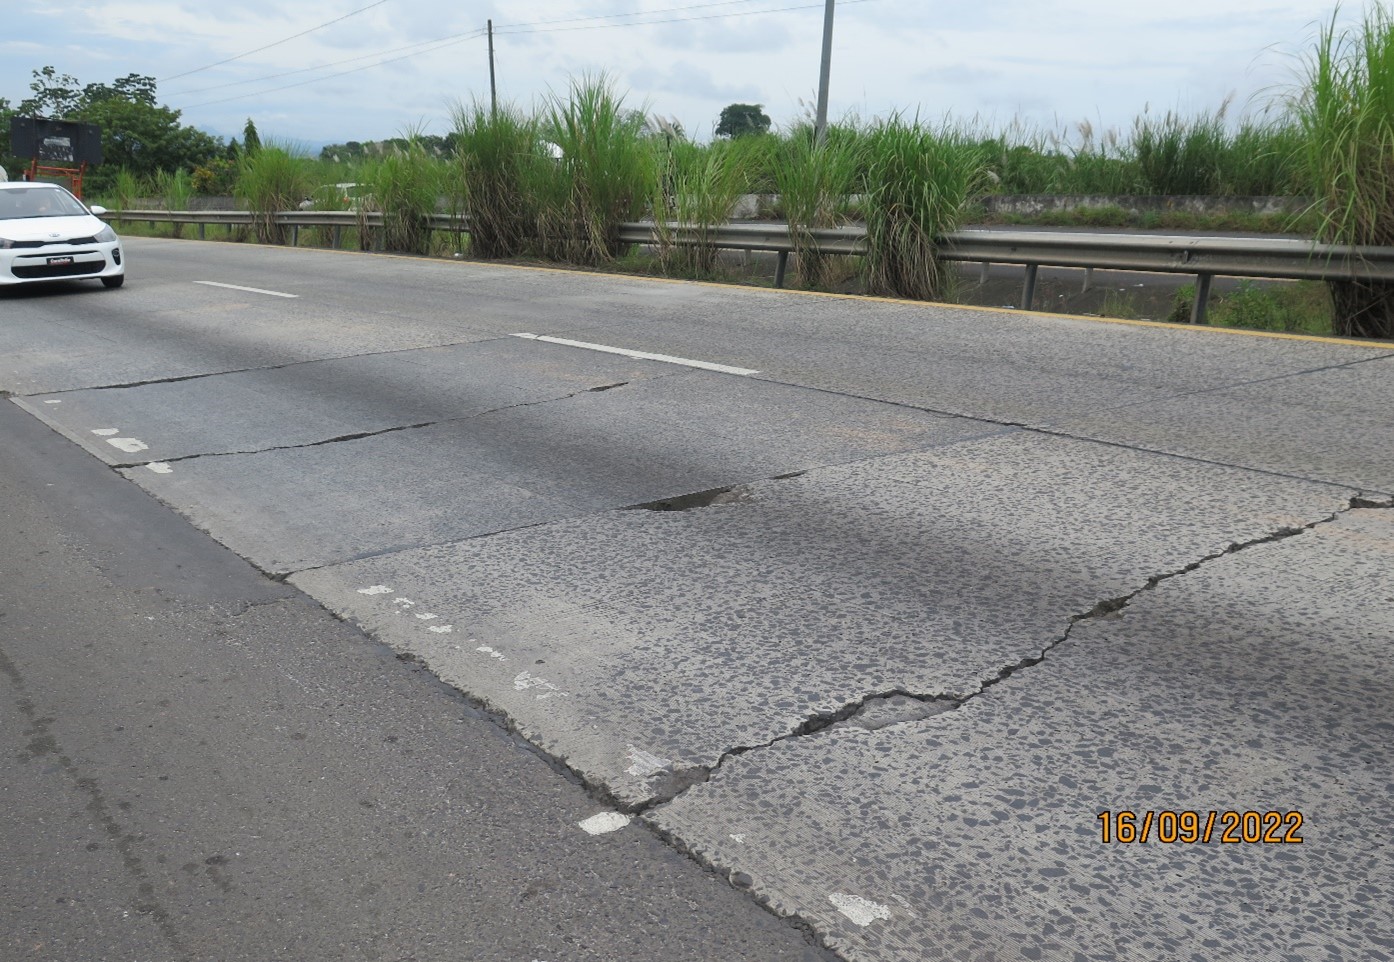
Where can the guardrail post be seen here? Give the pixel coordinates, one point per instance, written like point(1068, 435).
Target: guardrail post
point(1088, 280)
point(201, 232)
point(295, 235)
point(338, 237)
point(1202, 298)
point(1028, 287)
point(779, 270)
point(982, 273)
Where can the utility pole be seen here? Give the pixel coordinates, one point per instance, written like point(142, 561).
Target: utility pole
point(493, 88)
point(821, 124)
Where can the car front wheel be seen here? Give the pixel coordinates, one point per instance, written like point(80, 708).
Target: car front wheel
point(116, 281)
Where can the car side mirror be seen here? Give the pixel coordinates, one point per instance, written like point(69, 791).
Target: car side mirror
point(97, 209)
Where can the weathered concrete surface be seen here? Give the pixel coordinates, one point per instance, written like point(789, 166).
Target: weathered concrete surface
point(1259, 682)
point(1324, 424)
point(316, 401)
point(644, 646)
point(524, 465)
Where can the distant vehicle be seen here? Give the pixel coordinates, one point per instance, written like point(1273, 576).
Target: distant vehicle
point(47, 234)
point(336, 197)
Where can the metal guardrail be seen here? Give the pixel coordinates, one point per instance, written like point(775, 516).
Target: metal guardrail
point(1204, 257)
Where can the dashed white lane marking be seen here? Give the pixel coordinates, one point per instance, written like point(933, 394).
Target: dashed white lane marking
point(53, 402)
point(250, 290)
point(375, 590)
point(861, 911)
point(441, 629)
point(106, 432)
point(604, 823)
point(640, 355)
point(129, 445)
point(159, 467)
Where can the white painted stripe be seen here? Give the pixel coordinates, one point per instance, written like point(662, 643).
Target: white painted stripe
point(129, 445)
point(53, 402)
point(249, 290)
point(861, 911)
point(641, 355)
point(604, 823)
point(106, 432)
point(159, 467)
point(375, 590)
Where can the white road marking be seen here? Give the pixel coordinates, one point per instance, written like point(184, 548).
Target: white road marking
point(404, 602)
point(106, 432)
point(640, 355)
point(250, 290)
point(525, 680)
point(375, 590)
point(739, 839)
point(129, 445)
point(861, 911)
point(427, 617)
point(492, 653)
point(604, 823)
point(441, 629)
point(53, 402)
point(645, 764)
point(159, 467)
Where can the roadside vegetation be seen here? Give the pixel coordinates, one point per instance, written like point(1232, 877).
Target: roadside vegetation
point(553, 184)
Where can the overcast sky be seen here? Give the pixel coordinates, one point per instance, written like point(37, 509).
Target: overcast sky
point(1047, 63)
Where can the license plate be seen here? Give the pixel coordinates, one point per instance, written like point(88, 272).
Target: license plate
point(59, 261)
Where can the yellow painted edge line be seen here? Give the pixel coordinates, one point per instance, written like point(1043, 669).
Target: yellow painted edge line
point(859, 298)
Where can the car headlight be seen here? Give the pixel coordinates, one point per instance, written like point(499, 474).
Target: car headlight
point(6, 244)
point(106, 236)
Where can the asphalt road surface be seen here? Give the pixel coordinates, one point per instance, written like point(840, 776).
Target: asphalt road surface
point(898, 620)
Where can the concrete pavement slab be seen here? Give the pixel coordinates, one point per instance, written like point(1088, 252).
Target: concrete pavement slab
point(642, 646)
point(291, 509)
point(1258, 682)
point(315, 401)
point(1330, 425)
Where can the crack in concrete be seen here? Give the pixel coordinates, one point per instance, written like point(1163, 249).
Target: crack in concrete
point(671, 785)
point(270, 367)
point(1065, 435)
point(360, 435)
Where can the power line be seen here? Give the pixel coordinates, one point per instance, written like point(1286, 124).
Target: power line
point(441, 44)
point(297, 36)
point(324, 66)
point(512, 29)
point(646, 23)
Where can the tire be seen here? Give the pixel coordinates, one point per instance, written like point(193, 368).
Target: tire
point(116, 281)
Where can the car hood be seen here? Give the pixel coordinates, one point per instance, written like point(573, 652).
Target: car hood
point(43, 228)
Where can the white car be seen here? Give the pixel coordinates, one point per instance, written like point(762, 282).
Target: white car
point(48, 234)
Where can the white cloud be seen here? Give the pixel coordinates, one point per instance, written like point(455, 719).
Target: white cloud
point(1048, 61)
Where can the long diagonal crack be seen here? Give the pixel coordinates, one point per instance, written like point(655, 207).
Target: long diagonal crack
point(672, 785)
point(360, 435)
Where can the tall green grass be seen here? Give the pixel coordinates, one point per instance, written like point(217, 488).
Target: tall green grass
point(404, 186)
point(816, 183)
point(919, 183)
point(696, 190)
point(270, 180)
point(1345, 109)
point(501, 161)
point(602, 177)
point(176, 190)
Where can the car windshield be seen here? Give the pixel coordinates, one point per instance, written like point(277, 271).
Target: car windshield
point(23, 202)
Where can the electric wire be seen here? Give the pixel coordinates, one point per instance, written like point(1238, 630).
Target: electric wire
point(327, 23)
point(545, 26)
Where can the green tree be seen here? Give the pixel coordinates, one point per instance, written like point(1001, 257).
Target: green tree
point(251, 140)
point(138, 134)
point(738, 120)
